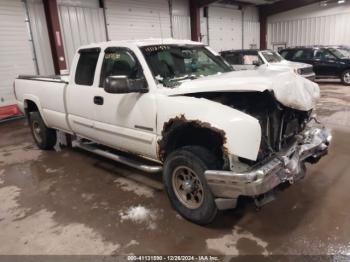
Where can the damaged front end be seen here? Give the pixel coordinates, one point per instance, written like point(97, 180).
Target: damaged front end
point(288, 141)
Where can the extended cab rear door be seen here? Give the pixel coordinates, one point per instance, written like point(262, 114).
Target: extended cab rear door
point(81, 93)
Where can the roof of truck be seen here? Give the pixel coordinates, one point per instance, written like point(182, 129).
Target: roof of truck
point(142, 42)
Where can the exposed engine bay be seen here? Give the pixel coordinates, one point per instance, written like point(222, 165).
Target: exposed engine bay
point(280, 125)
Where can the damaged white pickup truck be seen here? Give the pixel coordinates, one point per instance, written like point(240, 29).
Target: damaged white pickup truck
point(176, 107)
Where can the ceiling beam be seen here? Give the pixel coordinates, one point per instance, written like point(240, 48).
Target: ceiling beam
point(284, 5)
point(202, 3)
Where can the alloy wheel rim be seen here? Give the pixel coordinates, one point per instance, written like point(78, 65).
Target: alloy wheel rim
point(37, 131)
point(347, 77)
point(187, 187)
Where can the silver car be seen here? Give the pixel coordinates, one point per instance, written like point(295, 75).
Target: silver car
point(253, 59)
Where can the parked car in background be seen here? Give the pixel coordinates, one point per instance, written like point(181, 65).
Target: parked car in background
point(252, 59)
point(328, 61)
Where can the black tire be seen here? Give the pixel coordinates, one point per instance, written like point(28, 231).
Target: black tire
point(44, 137)
point(198, 159)
point(345, 77)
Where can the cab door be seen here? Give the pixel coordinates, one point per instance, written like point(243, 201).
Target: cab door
point(81, 93)
point(125, 121)
point(326, 64)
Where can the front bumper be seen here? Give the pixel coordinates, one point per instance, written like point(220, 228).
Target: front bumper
point(311, 77)
point(285, 166)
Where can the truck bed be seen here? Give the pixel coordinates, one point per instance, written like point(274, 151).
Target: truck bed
point(49, 78)
point(48, 93)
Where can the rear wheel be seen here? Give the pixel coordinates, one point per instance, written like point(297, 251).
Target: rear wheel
point(345, 77)
point(186, 185)
point(44, 137)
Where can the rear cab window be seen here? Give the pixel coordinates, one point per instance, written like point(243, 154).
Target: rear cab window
point(85, 71)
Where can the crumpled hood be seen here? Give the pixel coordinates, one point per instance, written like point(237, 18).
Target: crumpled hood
point(289, 88)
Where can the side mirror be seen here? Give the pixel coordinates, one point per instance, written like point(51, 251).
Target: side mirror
point(256, 63)
point(123, 85)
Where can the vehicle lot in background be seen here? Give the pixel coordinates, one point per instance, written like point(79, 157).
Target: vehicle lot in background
point(72, 202)
point(328, 62)
point(254, 59)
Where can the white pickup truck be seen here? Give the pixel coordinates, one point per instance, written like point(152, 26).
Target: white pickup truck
point(176, 107)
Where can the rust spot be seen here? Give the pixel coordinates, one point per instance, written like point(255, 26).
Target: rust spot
point(179, 120)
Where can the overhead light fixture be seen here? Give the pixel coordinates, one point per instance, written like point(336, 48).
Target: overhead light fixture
point(323, 3)
point(341, 1)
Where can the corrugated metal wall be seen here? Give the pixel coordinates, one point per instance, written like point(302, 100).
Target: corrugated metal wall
point(16, 56)
point(181, 19)
point(251, 28)
point(311, 25)
point(226, 25)
point(138, 19)
point(40, 37)
point(225, 28)
point(82, 23)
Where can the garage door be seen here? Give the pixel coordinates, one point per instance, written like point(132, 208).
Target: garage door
point(40, 37)
point(135, 19)
point(181, 19)
point(82, 23)
point(225, 28)
point(16, 55)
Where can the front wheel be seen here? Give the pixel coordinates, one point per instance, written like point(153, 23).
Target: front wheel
point(345, 77)
point(186, 186)
point(44, 137)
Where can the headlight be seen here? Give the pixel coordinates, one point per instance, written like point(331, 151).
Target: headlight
point(297, 71)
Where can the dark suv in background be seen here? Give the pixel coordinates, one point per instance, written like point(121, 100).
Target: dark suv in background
point(328, 62)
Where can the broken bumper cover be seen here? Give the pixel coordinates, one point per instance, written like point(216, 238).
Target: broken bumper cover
point(286, 166)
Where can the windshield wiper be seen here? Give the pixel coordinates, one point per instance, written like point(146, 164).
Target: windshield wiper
point(176, 81)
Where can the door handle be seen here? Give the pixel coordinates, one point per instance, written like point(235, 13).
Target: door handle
point(98, 100)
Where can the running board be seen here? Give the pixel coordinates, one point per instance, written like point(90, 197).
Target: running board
point(118, 158)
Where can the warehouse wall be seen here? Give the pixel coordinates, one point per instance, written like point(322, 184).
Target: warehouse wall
point(40, 37)
point(136, 19)
point(251, 27)
point(310, 25)
point(82, 23)
point(16, 56)
point(223, 27)
point(181, 19)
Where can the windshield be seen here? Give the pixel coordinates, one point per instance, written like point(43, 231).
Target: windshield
point(271, 56)
point(340, 52)
point(171, 64)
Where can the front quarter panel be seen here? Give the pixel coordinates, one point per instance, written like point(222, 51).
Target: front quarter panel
point(242, 132)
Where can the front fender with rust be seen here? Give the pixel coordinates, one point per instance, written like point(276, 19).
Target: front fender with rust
point(242, 132)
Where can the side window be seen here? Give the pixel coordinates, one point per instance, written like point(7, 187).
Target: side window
point(85, 71)
point(233, 58)
point(323, 55)
point(303, 54)
point(318, 54)
point(328, 55)
point(120, 62)
point(284, 53)
point(249, 59)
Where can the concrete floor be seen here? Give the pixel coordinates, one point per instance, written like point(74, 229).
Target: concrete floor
point(72, 202)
